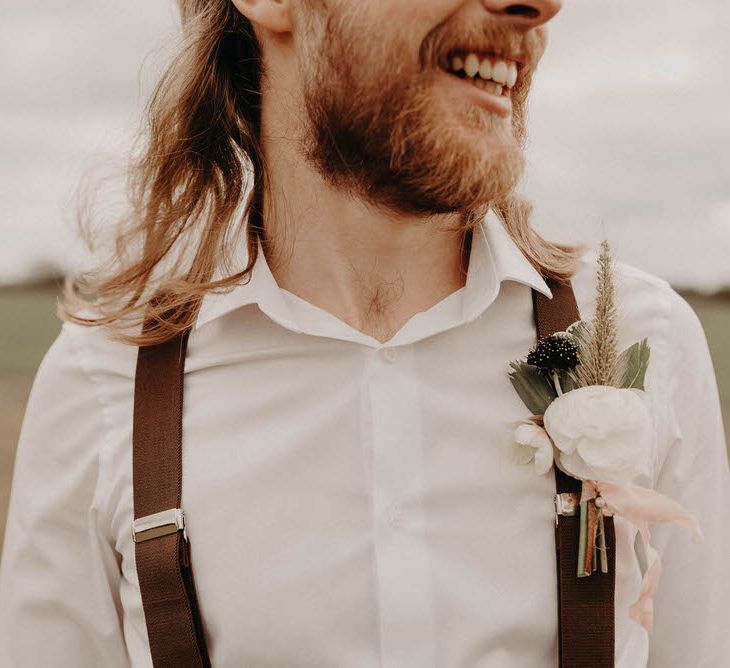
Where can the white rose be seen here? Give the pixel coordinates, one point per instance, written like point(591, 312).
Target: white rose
point(534, 445)
point(602, 433)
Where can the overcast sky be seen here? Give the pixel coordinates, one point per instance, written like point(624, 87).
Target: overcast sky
point(629, 136)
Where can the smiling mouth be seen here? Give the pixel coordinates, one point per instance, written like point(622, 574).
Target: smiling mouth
point(487, 72)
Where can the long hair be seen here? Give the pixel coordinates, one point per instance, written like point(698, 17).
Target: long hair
point(196, 184)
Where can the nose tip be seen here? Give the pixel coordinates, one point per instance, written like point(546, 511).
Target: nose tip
point(530, 13)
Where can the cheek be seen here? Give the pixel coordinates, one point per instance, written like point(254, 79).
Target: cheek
point(412, 20)
point(542, 39)
point(431, 12)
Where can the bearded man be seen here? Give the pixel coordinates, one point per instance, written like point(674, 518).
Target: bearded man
point(350, 488)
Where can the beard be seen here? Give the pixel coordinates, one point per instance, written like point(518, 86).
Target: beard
point(377, 126)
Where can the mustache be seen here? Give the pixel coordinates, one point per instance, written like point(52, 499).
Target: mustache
point(525, 46)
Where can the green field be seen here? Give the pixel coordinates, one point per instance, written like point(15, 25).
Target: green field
point(29, 326)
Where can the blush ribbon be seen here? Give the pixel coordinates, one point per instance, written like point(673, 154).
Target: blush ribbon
point(640, 506)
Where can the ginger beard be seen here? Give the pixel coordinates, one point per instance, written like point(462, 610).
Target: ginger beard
point(379, 125)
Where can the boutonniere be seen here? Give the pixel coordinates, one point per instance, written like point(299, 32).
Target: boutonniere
point(591, 419)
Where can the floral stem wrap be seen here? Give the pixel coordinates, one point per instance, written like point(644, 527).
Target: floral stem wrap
point(640, 506)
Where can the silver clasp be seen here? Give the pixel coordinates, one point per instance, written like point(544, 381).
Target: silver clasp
point(159, 524)
point(566, 504)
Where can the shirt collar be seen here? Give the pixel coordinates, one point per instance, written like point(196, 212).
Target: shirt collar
point(494, 257)
point(260, 288)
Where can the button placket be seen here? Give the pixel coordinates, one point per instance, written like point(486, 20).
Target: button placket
point(404, 579)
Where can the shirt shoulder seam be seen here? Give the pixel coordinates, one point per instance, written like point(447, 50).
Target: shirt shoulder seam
point(85, 366)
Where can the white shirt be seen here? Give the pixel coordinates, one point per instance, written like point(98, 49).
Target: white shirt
point(352, 504)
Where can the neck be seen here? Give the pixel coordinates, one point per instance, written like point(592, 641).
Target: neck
point(371, 268)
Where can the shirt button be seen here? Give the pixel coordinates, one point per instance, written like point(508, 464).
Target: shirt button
point(395, 517)
point(390, 354)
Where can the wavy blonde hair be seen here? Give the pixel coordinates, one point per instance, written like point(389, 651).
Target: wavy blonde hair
point(200, 160)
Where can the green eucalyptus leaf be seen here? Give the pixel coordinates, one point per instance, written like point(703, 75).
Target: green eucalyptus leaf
point(567, 380)
point(572, 381)
point(636, 359)
point(532, 387)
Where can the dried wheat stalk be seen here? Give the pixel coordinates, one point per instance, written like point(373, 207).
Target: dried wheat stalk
point(598, 347)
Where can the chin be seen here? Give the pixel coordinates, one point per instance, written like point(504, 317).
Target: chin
point(482, 133)
point(473, 124)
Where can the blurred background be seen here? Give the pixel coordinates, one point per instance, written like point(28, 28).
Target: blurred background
point(629, 141)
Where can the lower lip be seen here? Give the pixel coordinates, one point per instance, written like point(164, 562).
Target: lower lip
point(497, 103)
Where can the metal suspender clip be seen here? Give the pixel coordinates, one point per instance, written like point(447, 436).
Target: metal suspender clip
point(159, 524)
point(566, 504)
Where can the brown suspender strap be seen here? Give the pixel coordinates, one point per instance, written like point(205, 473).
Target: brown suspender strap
point(585, 604)
point(162, 550)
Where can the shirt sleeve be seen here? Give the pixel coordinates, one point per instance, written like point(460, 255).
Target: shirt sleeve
point(59, 575)
point(692, 604)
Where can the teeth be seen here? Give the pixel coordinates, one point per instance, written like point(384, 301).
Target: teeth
point(471, 65)
point(485, 70)
point(495, 69)
point(500, 72)
point(512, 77)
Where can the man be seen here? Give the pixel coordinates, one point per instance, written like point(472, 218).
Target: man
point(350, 485)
